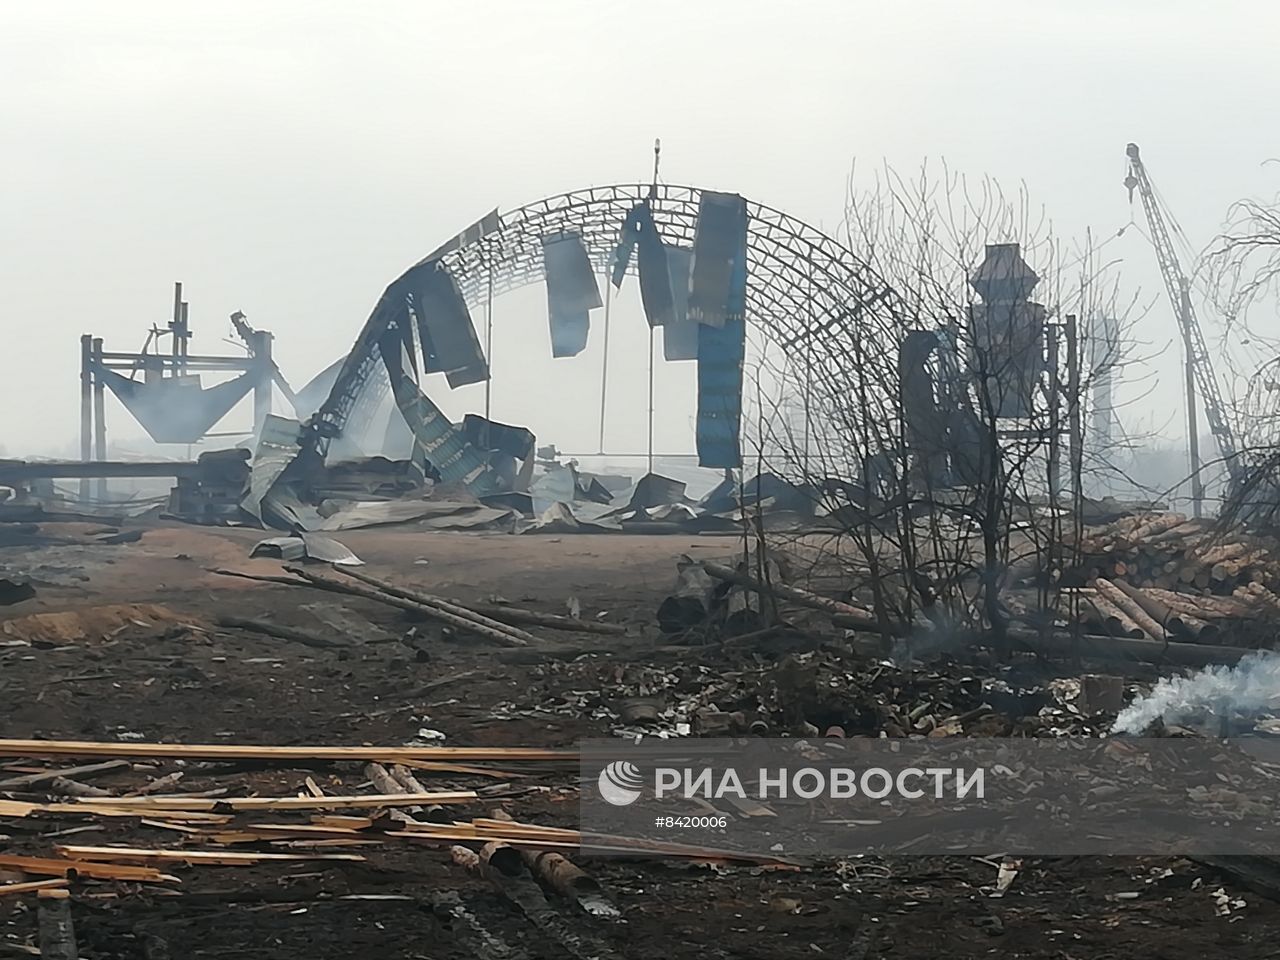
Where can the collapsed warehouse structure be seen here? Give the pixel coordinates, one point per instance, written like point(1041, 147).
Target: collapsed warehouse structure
point(940, 454)
point(928, 435)
point(712, 267)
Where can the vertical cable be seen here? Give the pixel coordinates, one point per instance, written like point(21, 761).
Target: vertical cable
point(651, 329)
point(604, 358)
point(488, 352)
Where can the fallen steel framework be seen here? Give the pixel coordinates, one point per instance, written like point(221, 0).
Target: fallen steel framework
point(803, 288)
point(169, 401)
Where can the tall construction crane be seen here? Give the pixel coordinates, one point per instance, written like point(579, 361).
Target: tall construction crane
point(1199, 367)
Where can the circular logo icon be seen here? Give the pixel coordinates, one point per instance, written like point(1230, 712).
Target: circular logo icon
point(619, 783)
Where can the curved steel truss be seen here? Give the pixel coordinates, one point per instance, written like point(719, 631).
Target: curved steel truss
point(800, 281)
point(805, 289)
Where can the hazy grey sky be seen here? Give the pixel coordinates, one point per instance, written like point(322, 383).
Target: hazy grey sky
point(290, 157)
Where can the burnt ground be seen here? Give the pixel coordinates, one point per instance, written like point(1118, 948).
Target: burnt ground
point(170, 682)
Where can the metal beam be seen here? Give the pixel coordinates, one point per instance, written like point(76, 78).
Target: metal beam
point(18, 470)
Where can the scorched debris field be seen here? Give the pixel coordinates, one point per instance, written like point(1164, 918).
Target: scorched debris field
point(126, 643)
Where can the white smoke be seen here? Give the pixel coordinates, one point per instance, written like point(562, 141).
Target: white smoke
point(1251, 686)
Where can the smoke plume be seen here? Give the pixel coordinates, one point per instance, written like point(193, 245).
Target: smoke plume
point(1251, 686)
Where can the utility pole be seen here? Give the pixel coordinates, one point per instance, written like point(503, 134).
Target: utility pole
point(87, 377)
point(1055, 416)
point(99, 416)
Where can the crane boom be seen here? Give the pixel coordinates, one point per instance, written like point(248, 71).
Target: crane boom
point(1199, 365)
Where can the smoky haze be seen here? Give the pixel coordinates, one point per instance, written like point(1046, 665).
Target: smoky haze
point(289, 159)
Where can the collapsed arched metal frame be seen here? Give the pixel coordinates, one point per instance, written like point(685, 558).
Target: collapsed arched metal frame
point(807, 293)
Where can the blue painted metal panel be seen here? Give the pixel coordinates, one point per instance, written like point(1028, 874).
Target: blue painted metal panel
point(721, 351)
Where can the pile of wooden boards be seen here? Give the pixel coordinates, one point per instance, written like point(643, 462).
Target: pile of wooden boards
point(210, 825)
point(1169, 552)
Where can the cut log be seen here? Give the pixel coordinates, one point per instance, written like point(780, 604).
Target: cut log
point(72, 788)
point(1264, 596)
point(1156, 525)
point(1224, 551)
point(1207, 608)
point(281, 632)
point(1120, 649)
point(383, 782)
point(161, 784)
point(1187, 531)
point(1135, 612)
point(1157, 609)
point(495, 611)
point(564, 877)
point(785, 591)
point(439, 602)
point(465, 857)
point(305, 578)
point(474, 623)
point(1114, 620)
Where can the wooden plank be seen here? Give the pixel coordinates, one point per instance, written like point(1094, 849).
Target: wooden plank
point(28, 886)
point(48, 866)
point(231, 751)
point(211, 857)
point(88, 769)
point(98, 808)
point(432, 766)
point(515, 834)
point(359, 802)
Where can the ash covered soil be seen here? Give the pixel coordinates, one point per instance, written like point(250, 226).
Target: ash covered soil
point(166, 681)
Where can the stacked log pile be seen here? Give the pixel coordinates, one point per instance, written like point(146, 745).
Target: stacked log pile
point(1169, 552)
point(1119, 609)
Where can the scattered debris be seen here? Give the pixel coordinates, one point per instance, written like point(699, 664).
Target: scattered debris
point(306, 546)
point(92, 624)
point(282, 632)
point(11, 592)
point(1008, 872)
point(57, 934)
